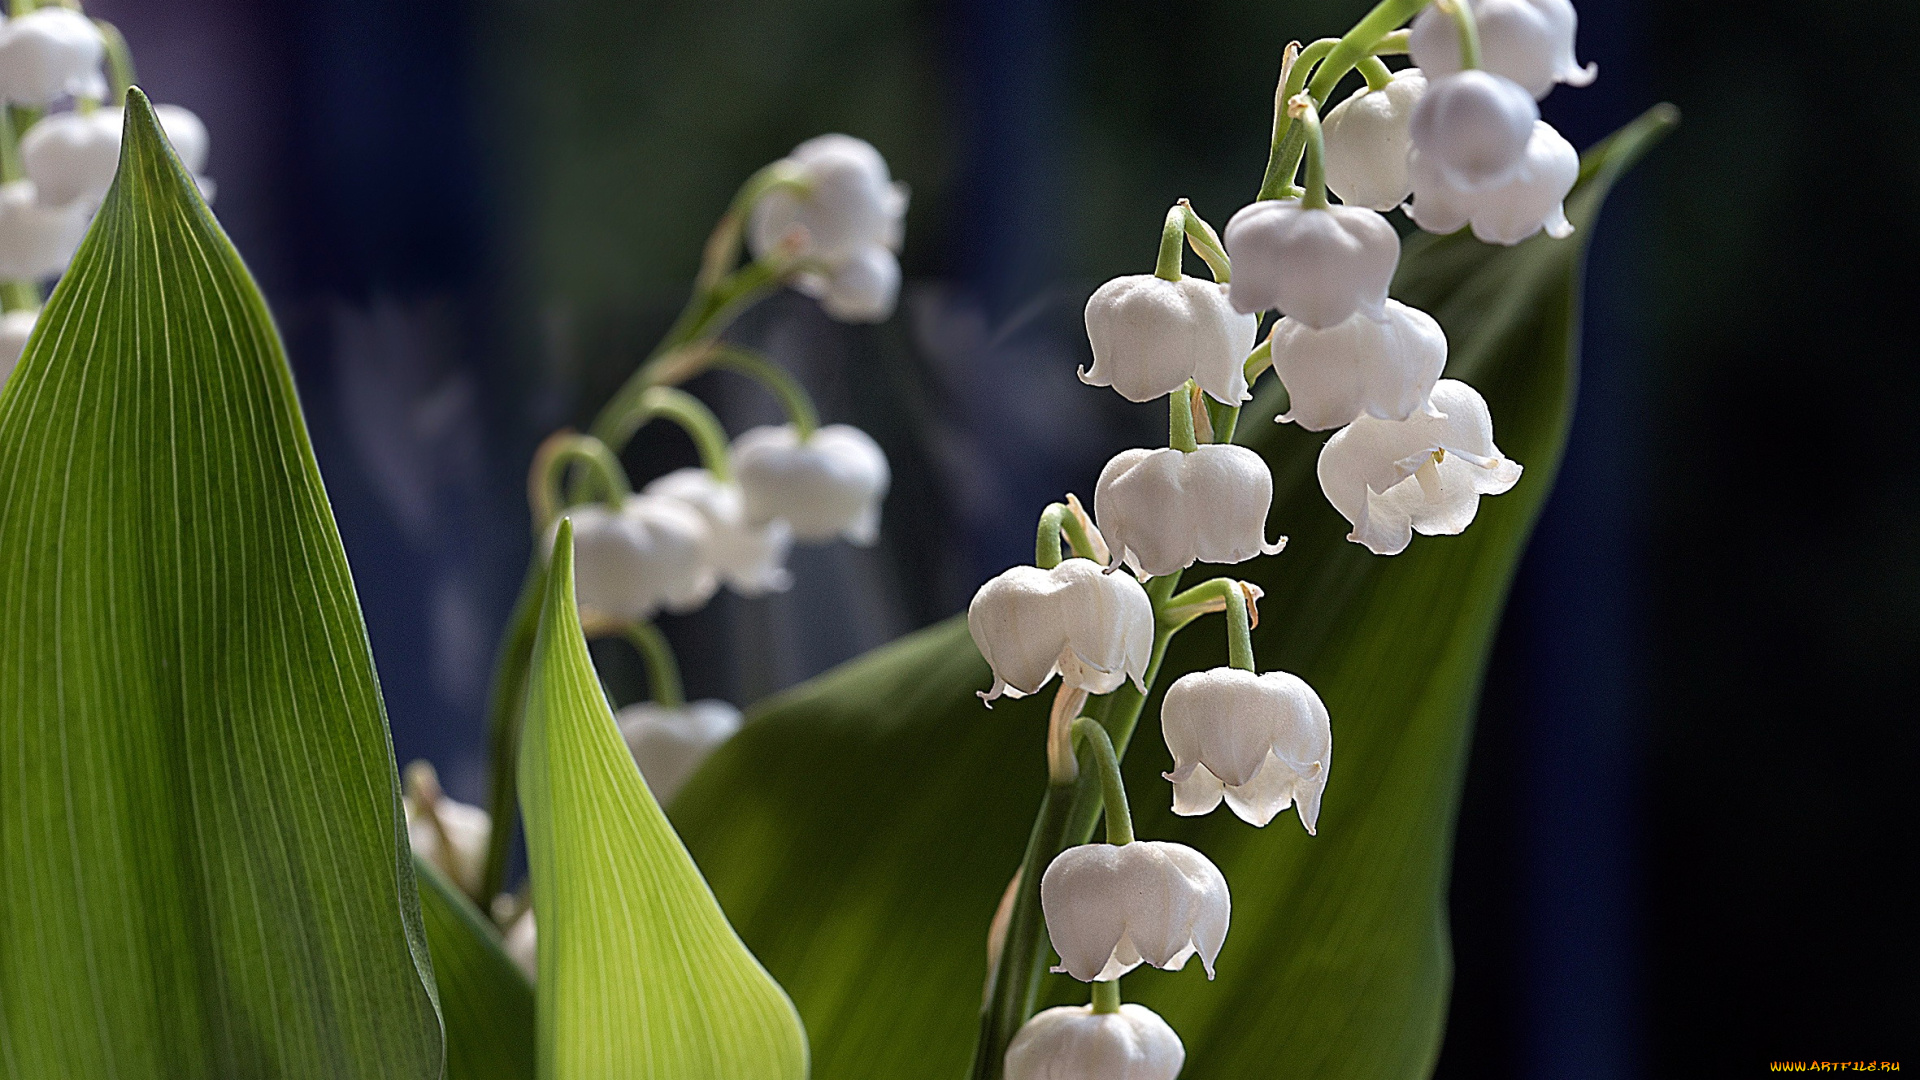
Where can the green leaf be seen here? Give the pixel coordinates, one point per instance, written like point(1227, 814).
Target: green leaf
point(485, 998)
point(640, 974)
point(207, 871)
point(862, 828)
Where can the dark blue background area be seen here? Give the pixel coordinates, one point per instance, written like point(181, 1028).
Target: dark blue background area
point(1689, 794)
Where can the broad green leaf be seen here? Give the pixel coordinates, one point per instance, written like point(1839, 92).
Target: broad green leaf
point(206, 866)
point(641, 977)
point(862, 828)
point(485, 998)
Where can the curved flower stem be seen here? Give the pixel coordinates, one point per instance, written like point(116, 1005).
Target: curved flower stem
point(1462, 15)
point(669, 403)
point(1088, 733)
point(1060, 518)
point(1062, 766)
point(723, 245)
point(561, 451)
point(1206, 243)
point(1172, 246)
point(120, 74)
point(1307, 118)
point(755, 365)
point(663, 671)
point(1180, 434)
point(1375, 72)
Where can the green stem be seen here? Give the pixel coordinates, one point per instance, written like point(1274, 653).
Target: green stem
point(119, 62)
point(546, 478)
point(1180, 420)
point(1239, 630)
point(793, 397)
point(663, 671)
point(1206, 243)
point(1173, 234)
point(723, 245)
point(1461, 12)
point(670, 403)
point(1054, 520)
point(1113, 787)
point(1375, 72)
point(1307, 118)
point(505, 706)
point(1394, 44)
point(1106, 996)
point(1223, 418)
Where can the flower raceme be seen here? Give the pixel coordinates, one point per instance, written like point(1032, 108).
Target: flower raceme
point(1260, 742)
point(1319, 265)
point(750, 558)
point(1150, 335)
point(50, 53)
point(829, 485)
point(844, 215)
point(1073, 1042)
point(632, 562)
point(1531, 199)
point(1111, 907)
point(1162, 510)
point(1425, 474)
point(1527, 41)
point(669, 742)
point(1472, 128)
point(1368, 136)
point(1362, 367)
point(1092, 628)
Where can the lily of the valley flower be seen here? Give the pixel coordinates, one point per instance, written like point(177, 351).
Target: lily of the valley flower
point(1092, 628)
point(750, 558)
point(1424, 474)
point(449, 834)
point(847, 223)
point(649, 555)
point(36, 240)
point(830, 485)
point(15, 328)
point(1531, 200)
point(1528, 41)
point(669, 743)
point(1163, 510)
point(50, 53)
point(1367, 138)
point(1260, 742)
point(1472, 127)
point(1112, 907)
point(1150, 336)
point(862, 289)
point(1072, 1042)
point(522, 944)
point(1317, 264)
point(71, 156)
point(1359, 368)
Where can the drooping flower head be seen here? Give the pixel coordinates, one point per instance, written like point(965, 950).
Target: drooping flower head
point(1072, 1042)
point(648, 555)
point(847, 223)
point(50, 53)
point(1472, 127)
point(36, 240)
point(1150, 336)
point(1112, 907)
point(830, 485)
point(751, 559)
point(1530, 201)
point(1163, 510)
point(670, 742)
point(1367, 138)
point(1316, 264)
point(1092, 628)
point(1260, 742)
point(1528, 41)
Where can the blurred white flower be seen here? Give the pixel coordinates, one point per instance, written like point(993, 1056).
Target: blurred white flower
point(1531, 200)
point(863, 288)
point(1528, 41)
point(1425, 474)
point(37, 240)
point(1111, 907)
point(649, 555)
point(522, 944)
point(850, 204)
point(1472, 127)
point(15, 328)
point(449, 834)
point(669, 743)
point(50, 53)
point(72, 156)
point(1261, 742)
point(1318, 265)
point(1072, 1042)
point(1367, 138)
point(1361, 367)
point(751, 559)
point(831, 485)
point(1162, 510)
point(1092, 628)
point(1150, 336)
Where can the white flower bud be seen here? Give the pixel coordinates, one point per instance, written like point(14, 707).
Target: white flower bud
point(1150, 336)
point(851, 203)
point(831, 485)
point(1261, 742)
point(432, 818)
point(750, 558)
point(72, 156)
point(862, 289)
point(522, 944)
point(1528, 41)
point(1316, 265)
point(1530, 201)
point(1426, 473)
point(1111, 907)
point(37, 240)
point(1072, 1042)
point(1163, 510)
point(1358, 368)
point(50, 53)
point(1367, 138)
point(650, 555)
point(670, 743)
point(15, 328)
point(1092, 628)
point(1473, 127)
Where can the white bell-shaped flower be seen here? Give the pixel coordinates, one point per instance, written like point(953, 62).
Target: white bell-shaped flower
point(831, 485)
point(1473, 127)
point(1092, 628)
point(36, 240)
point(1112, 907)
point(15, 328)
point(851, 204)
point(1163, 510)
point(1072, 1042)
point(50, 53)
point(72, 156)
point(750, 558)
point(1367, 138)
point(1151, 335)
point(521, 943)
point(1528, 41)
point(864, 288)
point(1359, 368)
point(669, 743)
point(451, 835)
point(649, 555)
point(1425, 474)
point(1530, 201)
point(1317, 265)
point(1260, 742)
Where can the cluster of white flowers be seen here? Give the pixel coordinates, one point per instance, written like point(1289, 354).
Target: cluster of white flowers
point(52, 57)
point(844, 216)
point(1455, 141)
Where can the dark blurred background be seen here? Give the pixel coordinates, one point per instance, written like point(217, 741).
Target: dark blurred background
point(1692, 783)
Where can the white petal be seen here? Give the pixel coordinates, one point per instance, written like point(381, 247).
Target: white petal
point(1080, 898)
point(1161, 510)
point(1072, 1042)
point(668, 744)
point(1197, 793)
point(37, 240)
point(1528, 41)
point(1150, 336)
point(829, 486)
point(50, 53)
point(1473, 127)
point(1093, 628)
point(16, 327)
point(1317, 265)
point(864, 288)
point(1361, 367)
point(1368, 137)
point(852, 204)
